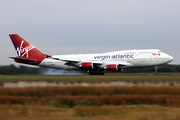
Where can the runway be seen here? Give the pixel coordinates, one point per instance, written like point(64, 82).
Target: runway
point(172, 79)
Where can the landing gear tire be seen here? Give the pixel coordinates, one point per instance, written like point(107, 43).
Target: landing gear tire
point(156, 69)
point(97, 72)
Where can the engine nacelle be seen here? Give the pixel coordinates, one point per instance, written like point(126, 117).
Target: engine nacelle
point(87, 65)
point(112, 67)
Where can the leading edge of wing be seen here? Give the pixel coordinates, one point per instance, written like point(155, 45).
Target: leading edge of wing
point(77, 61)
point(66, 60)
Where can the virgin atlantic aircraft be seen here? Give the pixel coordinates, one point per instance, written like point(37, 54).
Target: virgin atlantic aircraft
point(94, 64)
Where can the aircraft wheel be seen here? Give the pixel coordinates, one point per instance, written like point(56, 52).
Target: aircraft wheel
point(99, 72)
point(91, 72)
point(156, 69)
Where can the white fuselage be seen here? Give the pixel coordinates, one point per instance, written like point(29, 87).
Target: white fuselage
point(126, 58)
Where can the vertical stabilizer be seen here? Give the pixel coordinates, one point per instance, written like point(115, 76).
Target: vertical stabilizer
point(24, 48)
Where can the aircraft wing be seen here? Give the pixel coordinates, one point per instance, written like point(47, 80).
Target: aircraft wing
point(74, 62)
point(67, 60)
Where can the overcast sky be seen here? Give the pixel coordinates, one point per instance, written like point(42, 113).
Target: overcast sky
point(90, 26)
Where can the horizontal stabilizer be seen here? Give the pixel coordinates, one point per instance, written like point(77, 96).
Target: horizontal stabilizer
point(24, 59)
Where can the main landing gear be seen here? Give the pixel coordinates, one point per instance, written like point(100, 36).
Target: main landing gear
point(156, 69)
point(96, 72)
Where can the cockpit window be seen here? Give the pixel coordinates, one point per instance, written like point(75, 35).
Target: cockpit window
point(159, 52)
point(156, 53)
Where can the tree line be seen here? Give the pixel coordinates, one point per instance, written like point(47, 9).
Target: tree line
point(14, 70)
point(162, 68)
point(19, 70)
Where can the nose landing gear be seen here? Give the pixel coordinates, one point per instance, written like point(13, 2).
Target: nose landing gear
point(156, 69)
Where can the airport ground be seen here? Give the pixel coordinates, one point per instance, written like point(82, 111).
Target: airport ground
point(114, 79)
point(108, 76)
point(91, 102)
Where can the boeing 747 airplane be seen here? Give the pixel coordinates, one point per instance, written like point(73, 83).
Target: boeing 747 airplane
point(94, 64)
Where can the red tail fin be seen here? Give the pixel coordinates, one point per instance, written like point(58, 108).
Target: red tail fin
point(24, 48)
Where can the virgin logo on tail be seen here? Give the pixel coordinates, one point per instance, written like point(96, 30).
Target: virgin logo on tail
point(24, 51)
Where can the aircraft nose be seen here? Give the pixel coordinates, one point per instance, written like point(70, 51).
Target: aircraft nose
point(169, 58)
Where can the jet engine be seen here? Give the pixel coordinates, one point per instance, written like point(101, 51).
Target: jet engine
point(87, 65)
point(112, 67)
